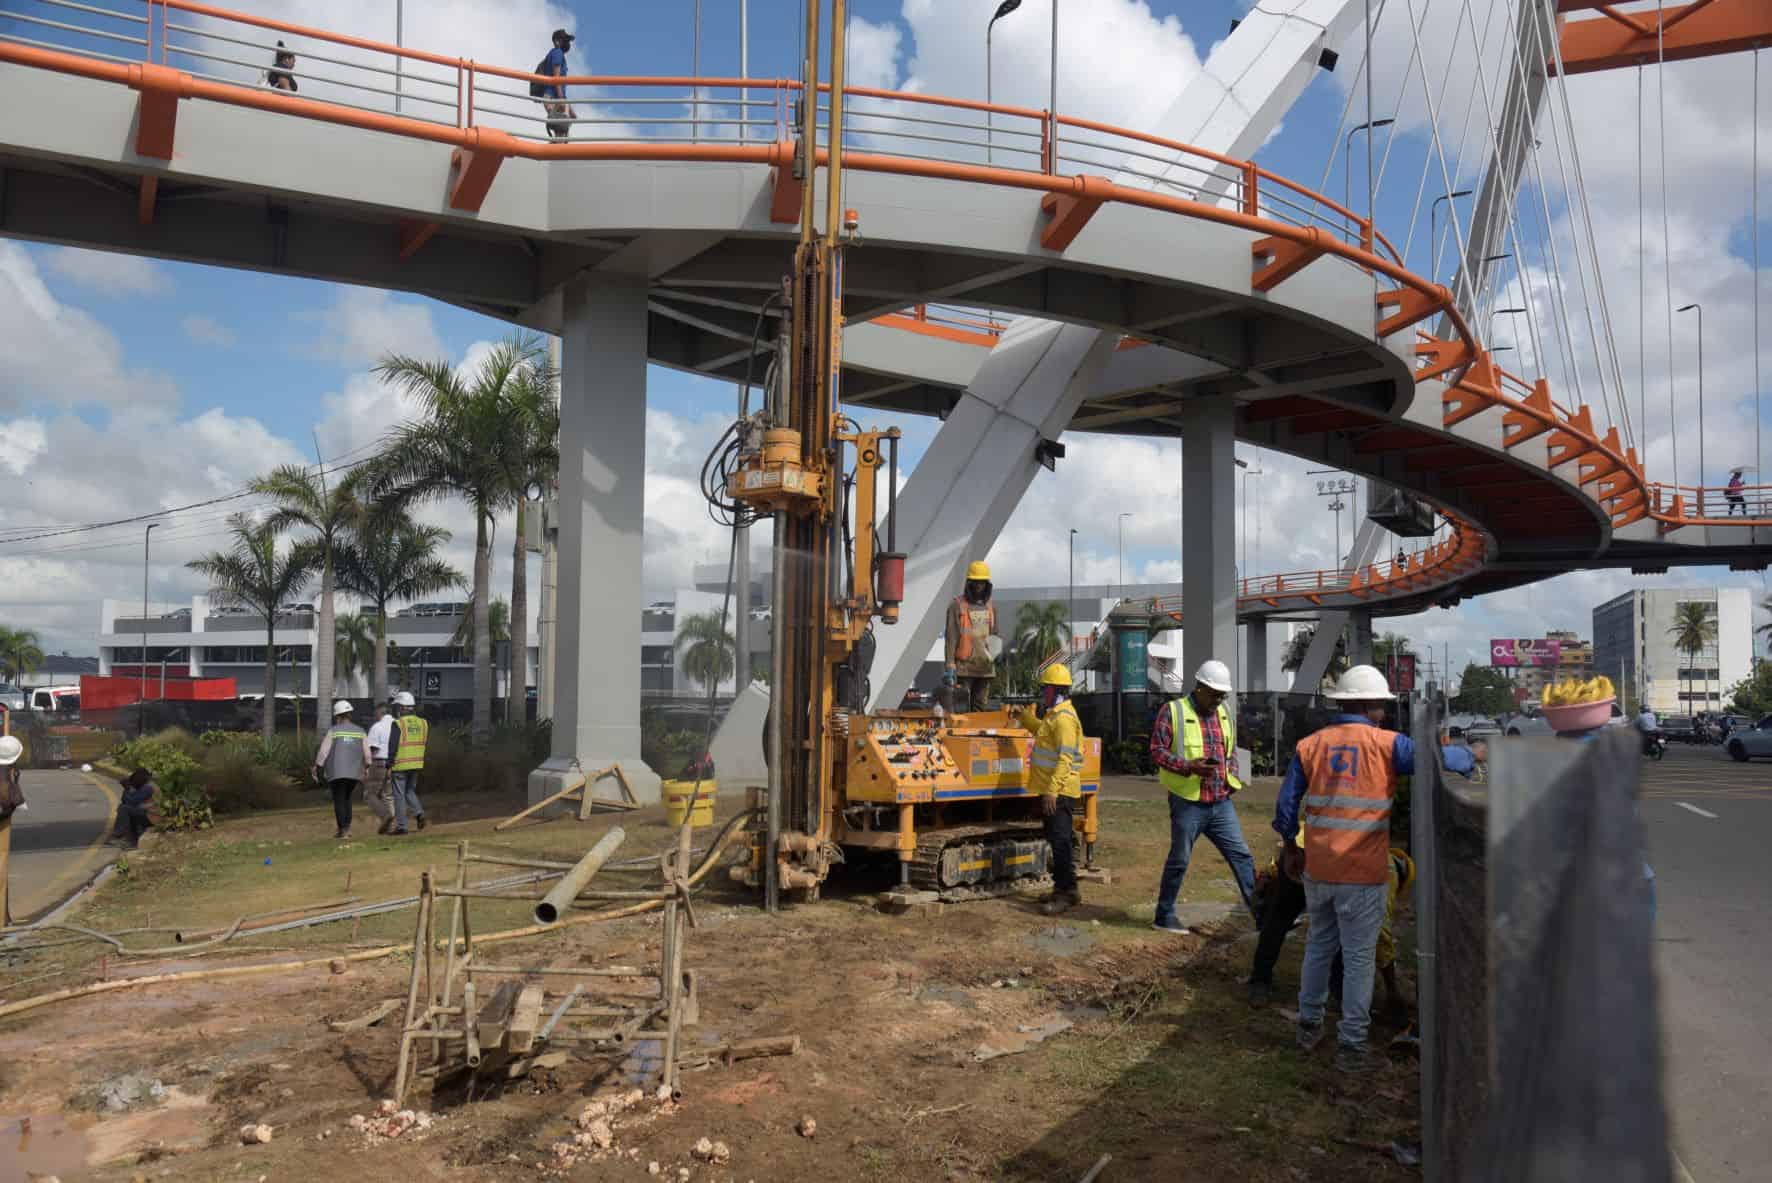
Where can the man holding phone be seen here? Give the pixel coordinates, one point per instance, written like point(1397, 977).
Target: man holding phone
point(1193, 744)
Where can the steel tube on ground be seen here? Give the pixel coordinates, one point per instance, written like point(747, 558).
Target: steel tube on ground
point(559, 899)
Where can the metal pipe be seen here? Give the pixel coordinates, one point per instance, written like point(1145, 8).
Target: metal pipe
point(559, 899)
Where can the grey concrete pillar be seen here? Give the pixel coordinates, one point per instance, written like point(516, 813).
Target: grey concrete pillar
point(602, 517)
point(1209, 535)
point(1255, 676)
point(1359, 638)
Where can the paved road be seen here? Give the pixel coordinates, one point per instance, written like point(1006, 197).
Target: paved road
point(58, 843)
point(1714, 953)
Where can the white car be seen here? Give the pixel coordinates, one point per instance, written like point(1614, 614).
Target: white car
point(1533, 723)
point(1747, 742)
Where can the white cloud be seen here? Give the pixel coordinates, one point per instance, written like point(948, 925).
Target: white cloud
point(206, 330)
point(59, 355)
point(109, 273)
point(365, 324)
point(21, 442)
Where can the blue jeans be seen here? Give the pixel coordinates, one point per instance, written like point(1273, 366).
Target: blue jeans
point(406, 800)
point(1188, 820)
point(1344, 916)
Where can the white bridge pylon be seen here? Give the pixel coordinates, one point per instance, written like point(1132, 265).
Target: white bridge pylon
point(982, 460)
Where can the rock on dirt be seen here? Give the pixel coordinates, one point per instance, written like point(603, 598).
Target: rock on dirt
point(807, 1127)
point(128, 1091)
point(255, 1134)
point(707, 1150)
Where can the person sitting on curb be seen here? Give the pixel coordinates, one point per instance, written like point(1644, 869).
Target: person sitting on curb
point(133, 821)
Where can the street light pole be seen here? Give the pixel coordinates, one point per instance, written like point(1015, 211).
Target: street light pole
point(1070, 602)
point(399, 43)
point(1122, 529)
point(1433, 221)
point(141, 714)
point(1347, 187)
point(990, 118)
point(1700, 486)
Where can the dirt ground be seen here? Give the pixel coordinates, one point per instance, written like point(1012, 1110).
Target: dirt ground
point(1163, 1065)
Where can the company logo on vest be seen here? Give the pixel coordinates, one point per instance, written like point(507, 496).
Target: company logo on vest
point(1344, 760)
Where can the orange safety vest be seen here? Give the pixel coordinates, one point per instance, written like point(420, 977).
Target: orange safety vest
point(1350, 782)
point(977, 622)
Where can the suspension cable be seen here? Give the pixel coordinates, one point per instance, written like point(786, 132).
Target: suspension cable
point(1569, 207)
point(1505, 213)
point(1667, 253)
point(1481, 45)
point(1433, 127)
point(1593, 246)
point(1353, 88)
point(1642, 276)
point(1528, 131)
point(1433, 122)
point(1759, 459)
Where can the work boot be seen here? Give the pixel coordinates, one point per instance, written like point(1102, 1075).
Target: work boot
point(421, 821)
point(1171, 925)
point(344, 832)
point(1353, 1058)
point(387, 826)
point(1308, 1035)
point(1260, 992)
point(1061, 901)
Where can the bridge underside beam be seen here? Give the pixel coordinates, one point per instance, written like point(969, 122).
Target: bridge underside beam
point(1705, 28)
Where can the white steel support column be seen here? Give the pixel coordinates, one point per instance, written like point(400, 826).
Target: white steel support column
point(1255, 675)
point(1330, 624)
point(1209, 535)
point(965, 487)
point(602, 514)
point(973, 476)
point(1359, 637)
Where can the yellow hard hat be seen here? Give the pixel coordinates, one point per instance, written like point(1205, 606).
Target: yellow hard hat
point(1057, 674)
point(979, 570)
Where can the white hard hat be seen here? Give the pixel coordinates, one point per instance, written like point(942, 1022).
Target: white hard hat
point(10, 750)
point(1215, 674)
point(342, 707)
point(1363, 683)
point(404, 699)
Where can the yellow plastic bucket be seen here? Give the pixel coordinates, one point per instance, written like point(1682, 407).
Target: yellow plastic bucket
point(677, 794)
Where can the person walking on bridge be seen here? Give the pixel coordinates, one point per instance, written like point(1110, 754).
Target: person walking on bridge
point(1733, 493)
point(340, 761)
point(406, 759)
point(559, 111)
point(1193, 744)
point(972, 627)
point(1057, 777)
point(1345, 778)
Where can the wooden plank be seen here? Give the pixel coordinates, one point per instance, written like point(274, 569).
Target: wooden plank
point(525, 1020)
point(496, 1014)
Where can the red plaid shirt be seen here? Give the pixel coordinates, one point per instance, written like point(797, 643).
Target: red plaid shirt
point(1213, 786)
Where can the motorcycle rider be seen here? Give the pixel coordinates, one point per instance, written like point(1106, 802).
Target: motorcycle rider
point(1649, 727)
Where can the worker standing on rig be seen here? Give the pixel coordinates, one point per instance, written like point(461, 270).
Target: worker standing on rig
point(972, 626)
point(1057, 777)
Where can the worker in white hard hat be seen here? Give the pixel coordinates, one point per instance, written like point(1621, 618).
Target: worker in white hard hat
point(967, 658)
point(12, 798)
point(1194, 745)
point(340, 761)
point(406, 759)
point(378, 788)
point(1344, 777)
point(1056, 776)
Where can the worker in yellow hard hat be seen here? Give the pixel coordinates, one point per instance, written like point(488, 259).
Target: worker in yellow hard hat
point(969, 658)
point(1057, 777)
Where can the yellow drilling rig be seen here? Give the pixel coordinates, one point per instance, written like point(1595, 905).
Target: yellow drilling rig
point(944, 794)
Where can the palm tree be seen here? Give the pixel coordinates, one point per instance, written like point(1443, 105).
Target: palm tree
point(1300, 645)
point(1766, 607)
point(1041, 629)
point(534, 461)
point(467, 442)
point(709, 652)
point(20, 652)
point(1694, 627)
point(1388, 646)
point(355, 648)
point(305, 500)
point(255, 575)
point(391, 557)
point(498, 617)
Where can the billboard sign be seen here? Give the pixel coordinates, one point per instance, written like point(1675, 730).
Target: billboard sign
point(1525, 651)
point(1401, 674)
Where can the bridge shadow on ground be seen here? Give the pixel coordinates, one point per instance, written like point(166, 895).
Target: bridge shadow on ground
point(1197, 1085)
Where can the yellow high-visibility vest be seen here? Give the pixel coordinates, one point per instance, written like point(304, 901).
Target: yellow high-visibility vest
point(411, 754)
point(1187, 741)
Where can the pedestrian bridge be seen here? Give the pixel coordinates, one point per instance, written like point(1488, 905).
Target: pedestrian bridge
point(147, 128)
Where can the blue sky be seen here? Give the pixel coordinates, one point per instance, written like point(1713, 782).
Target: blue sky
point(285, 355)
